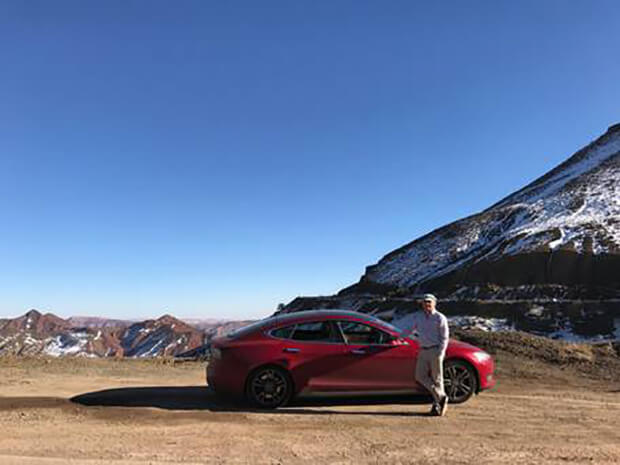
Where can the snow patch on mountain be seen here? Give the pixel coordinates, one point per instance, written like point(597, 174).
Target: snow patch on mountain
point(149, 350)
point(564, 330)
point(405, 323)
point(574, 207)
point(568, 334)
point(593, 156)
point(483, 324)
point(72, 343)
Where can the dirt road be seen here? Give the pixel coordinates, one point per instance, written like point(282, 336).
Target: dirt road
point(156, 413)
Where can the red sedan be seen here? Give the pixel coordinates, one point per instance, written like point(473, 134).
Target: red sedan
point(333, 351)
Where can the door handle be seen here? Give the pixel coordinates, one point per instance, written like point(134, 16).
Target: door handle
point(358, 351)
point(291, 350)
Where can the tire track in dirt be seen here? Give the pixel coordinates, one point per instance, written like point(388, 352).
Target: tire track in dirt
point(560, 399)
point(33, 460)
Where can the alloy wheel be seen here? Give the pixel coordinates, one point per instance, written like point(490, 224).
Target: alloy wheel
point(269, 388)
point(460, 381)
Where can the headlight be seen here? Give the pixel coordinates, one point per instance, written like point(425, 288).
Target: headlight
point(216, 353)
point(481, 356)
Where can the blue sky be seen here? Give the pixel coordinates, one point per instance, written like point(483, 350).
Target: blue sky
point(212, 159)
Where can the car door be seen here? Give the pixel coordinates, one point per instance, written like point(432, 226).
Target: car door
point(376, 360)
point(312, 352)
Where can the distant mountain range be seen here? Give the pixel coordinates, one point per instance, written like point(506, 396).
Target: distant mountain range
point(545, 259)
point(46, 334)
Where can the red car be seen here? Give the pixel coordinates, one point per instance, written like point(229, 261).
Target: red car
point(333, 351)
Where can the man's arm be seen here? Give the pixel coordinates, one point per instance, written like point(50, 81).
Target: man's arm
point(444, 334)
point(414, 324)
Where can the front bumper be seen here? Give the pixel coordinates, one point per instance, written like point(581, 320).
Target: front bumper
point(486, 371)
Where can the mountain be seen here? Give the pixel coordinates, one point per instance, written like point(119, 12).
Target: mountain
point(562, 229)
point(164, 336)
point(30, 333)
point(36, 334)
point(35, 323)
point(545, 259)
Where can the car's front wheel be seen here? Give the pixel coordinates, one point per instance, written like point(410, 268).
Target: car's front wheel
point(269, 387)
point(460, 381)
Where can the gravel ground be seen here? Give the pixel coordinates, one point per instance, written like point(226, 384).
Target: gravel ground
point(539, 413)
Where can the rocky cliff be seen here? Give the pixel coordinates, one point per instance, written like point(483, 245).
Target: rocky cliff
point(552, 246)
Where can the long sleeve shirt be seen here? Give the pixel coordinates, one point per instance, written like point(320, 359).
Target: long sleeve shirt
point(432, 329)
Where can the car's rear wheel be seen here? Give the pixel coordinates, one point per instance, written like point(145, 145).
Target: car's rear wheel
point(460, 381)
point(269, 387)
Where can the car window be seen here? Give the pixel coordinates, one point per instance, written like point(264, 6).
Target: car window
point(282, 333)
point(359, 333)
point(245, 330)
point(388, 326)
point(316, 331)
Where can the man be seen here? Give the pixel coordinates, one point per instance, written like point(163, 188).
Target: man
point(433, 333)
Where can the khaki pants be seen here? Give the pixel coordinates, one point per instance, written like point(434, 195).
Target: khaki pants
point(429, 372)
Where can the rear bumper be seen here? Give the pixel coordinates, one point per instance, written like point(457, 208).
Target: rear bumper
point(210, 376)
point(223, 381)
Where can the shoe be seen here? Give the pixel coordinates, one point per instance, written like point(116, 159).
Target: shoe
point(434, 411)
point(443, 406)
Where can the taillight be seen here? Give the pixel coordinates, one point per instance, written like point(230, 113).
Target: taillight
point(216, 353)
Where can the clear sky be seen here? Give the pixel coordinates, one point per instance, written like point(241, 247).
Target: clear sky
point(212, 159)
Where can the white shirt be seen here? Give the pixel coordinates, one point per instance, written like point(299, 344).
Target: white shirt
point(432, 329)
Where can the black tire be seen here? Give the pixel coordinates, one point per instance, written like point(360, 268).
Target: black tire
point(460, 381)
point(268, 387)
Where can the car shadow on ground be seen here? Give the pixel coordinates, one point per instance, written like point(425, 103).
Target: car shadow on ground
point(203, 398)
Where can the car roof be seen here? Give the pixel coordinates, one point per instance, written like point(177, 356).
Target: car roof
point(310, 314)
point(305, 315)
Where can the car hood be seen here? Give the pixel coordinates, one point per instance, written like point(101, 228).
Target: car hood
point(454, 344)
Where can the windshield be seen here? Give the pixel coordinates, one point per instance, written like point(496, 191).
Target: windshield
point(387, 325)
